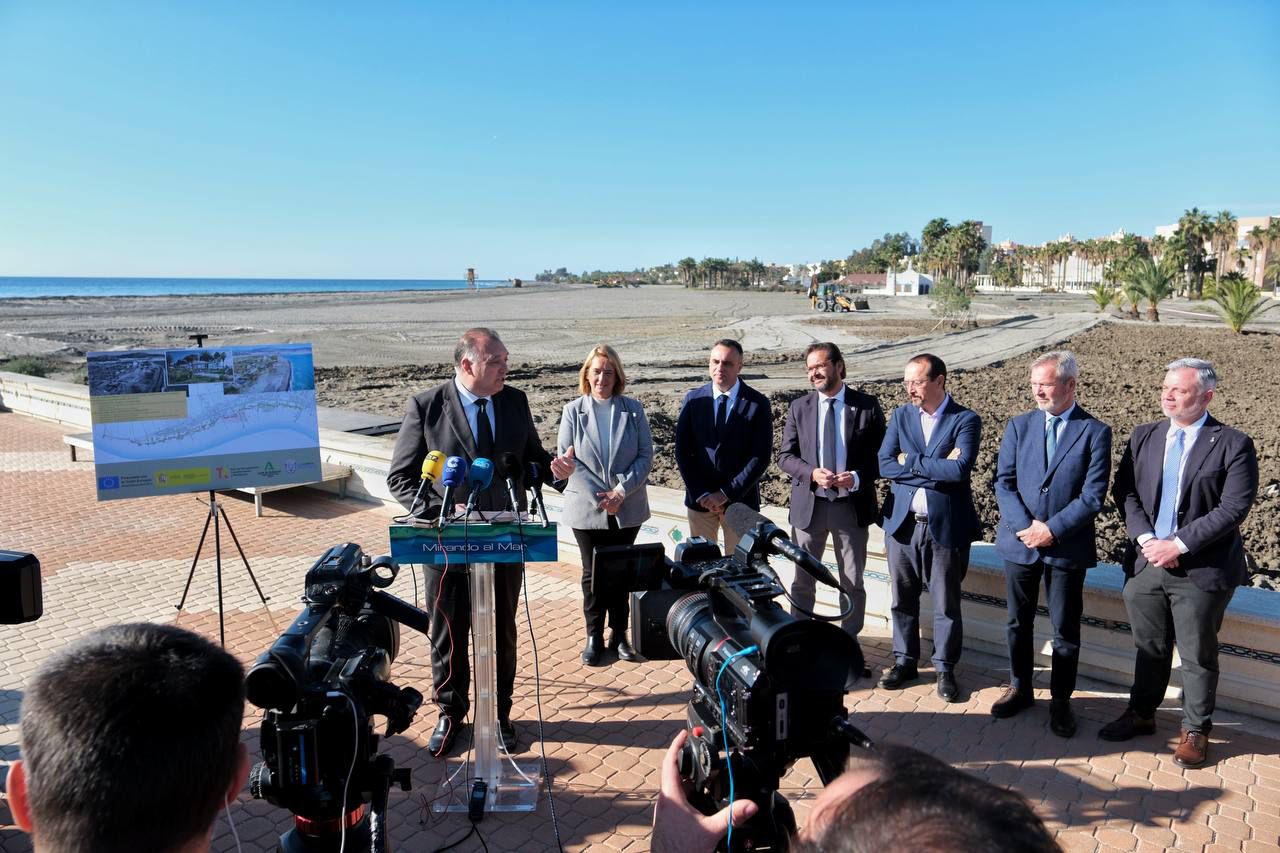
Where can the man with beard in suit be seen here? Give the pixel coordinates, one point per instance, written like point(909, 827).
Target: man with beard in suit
point(829, 447)
point(1184, 486)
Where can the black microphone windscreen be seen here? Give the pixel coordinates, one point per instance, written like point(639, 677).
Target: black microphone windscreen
point(510, 465)
point(741, 518)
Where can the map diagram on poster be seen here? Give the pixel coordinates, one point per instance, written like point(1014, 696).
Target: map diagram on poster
point(189, 420)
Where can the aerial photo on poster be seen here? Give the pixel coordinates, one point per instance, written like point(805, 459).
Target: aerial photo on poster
point(188, 420)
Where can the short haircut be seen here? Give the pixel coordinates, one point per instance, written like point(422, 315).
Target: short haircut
point(830, 349)
point(1205, 374)
point(608, 353)
point(129, 739)
point(921, 803)
point(1063, 361)
point(937, 367)
point(731, 344)
point(470, 341)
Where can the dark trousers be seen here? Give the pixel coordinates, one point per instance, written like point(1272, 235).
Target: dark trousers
point(1165, 606)
point(1064, 592)
point(915, 560)
point(448, 597)
point(602, 600)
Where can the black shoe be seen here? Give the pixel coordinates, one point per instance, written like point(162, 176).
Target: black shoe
point(1061, 721)
point(592, 651)
point(898, 676)
point(947, 687)
point(507, 734)
point(618, 643)
point(442, 737)
point(1011, 702)
point(1128, 725)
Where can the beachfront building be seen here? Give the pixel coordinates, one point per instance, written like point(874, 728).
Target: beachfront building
point(908, 282)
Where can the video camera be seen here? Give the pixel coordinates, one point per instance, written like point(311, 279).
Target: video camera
point(320, 684)
point(768, 688)
point(20, 591)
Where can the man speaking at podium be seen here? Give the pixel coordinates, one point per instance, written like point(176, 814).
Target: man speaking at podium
point(474, 416)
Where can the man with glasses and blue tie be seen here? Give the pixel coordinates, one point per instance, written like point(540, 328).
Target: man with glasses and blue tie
point(1051, 482)
point(1184, 486)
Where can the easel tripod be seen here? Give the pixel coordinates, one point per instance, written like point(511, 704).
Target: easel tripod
point(218, 516)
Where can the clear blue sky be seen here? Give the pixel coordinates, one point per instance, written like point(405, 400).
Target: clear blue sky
point(415, 139)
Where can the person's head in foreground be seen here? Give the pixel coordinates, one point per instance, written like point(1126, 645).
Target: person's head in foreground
point(888, 799)
point(130, 742)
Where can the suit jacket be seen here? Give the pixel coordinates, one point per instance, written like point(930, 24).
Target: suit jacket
point(864, 428)
point(1219, 484)
point(435, 420)
point(630, 459)
point(1066, 494)
point(953, 520)
point(733, 465)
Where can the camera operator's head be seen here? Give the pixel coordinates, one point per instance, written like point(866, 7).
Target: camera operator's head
point(130, 742)
point(898, 798)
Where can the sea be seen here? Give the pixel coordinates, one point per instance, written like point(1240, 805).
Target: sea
point(42, 287)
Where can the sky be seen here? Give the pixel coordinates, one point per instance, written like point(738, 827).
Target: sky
point(416, 139)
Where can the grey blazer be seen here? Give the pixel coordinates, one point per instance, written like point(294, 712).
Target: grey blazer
point(631, 457)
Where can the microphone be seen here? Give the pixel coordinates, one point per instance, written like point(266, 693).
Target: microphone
point(742, 519)
point(431, 468)
point(535, 485)
point(478, 479)
point(511, 472)
point(455, 474)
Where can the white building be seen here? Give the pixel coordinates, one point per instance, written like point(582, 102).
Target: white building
point(909, 282)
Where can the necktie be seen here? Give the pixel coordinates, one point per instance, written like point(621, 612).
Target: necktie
point(722, 414)
point(829, 445)
point(1167, 514)
point(1051, 439)
point(484, 432)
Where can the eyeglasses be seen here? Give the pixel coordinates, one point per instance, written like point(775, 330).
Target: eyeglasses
point(909, 384)
point(813, 368)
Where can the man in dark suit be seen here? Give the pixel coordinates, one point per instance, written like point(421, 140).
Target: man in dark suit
point(929, 519)
point(473, 415)
point(1184, 486)
point(724, 441)
point(1051, 480)
point(829, 447)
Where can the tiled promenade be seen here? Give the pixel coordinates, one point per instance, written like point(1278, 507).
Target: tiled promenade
point(606, 729)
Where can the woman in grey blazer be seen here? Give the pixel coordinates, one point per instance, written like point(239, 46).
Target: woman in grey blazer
point(605, 500)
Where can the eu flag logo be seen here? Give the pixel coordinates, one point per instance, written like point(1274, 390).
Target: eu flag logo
point(106, 483)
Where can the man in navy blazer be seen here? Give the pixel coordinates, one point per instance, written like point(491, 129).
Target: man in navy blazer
point(724, 441)
point(929, 519)
point(1184, 486)
point(1051, 481)
point(829, 449)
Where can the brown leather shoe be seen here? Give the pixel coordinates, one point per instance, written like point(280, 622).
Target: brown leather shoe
point(1193, 750)
point(1128, 725)
point(1011, 701)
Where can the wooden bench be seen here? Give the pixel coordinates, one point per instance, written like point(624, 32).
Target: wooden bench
point(328, 472)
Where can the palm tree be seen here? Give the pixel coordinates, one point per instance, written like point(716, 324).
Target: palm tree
point(1154, 281)
point(1103, 295)
point(1239, 301)
point(1196, 228)
point(688, 268)
point(1225, 231)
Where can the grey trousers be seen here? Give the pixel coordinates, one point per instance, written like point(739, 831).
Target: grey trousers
point(915, 560)
point(837, 521)
point(1166, 607)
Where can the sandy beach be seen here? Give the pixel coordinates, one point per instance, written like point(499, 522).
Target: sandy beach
point(373, 350)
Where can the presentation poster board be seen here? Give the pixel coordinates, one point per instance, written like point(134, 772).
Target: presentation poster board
point(190, 420)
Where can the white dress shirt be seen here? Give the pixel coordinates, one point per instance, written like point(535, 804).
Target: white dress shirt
point(1190, 434)
point(919, 502)
point(842, 452)
point(472, 410)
